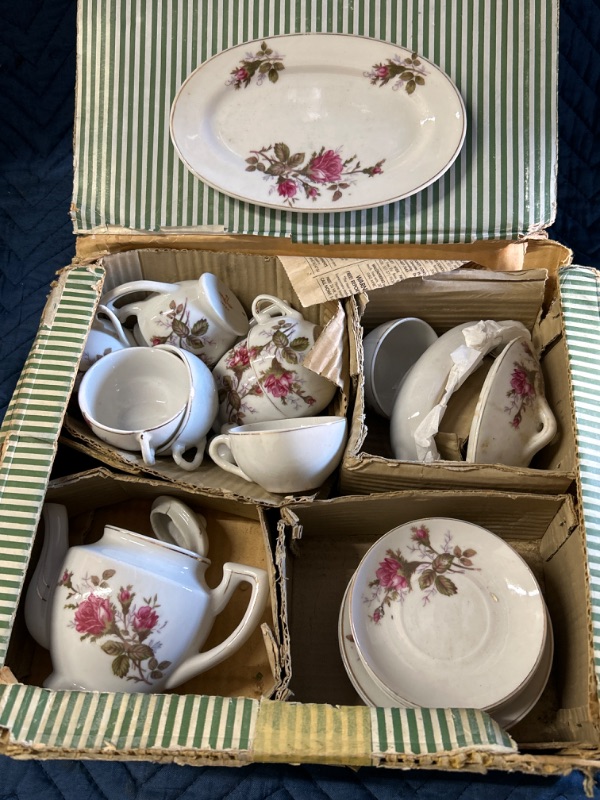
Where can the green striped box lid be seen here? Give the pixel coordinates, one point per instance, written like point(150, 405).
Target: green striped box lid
point(580, 293)
point(134, 54)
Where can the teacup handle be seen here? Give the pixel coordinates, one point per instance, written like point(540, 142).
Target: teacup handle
point(267, 306)
point(109, 299)
point(179, 448)
point(233, 576)
point(226, 461)
point(148, 452)
point(547, 432)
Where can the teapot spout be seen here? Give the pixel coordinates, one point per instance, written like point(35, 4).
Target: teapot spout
point(38, 601)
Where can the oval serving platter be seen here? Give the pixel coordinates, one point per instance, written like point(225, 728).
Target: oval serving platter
point(318, 122)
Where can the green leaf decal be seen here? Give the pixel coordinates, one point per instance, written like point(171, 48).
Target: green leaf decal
point(108, 573)
point(112, 648)
point(280, 339)
point(140, 652)
point(120, 666)
point(180, 328)
point(426, 579)
point(300, 343)
point(282, 151)
point(445, 586)
point(442, 562)
point(200, 327)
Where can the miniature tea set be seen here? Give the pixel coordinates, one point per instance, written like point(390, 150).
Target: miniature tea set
point(193, 365)
point(444, 613)
point(410, 376)
point(130, 613)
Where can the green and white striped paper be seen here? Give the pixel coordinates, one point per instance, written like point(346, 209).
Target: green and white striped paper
point(134, 54)
point(31, 426)
point(101, 722)
point(580, 292)
point(420, 731)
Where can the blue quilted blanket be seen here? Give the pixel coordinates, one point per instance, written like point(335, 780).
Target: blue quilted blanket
point(37, 69)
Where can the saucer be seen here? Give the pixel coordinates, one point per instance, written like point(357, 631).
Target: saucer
point(508, 714)
point(445, 613)
point(366, 687)
point(512, 419)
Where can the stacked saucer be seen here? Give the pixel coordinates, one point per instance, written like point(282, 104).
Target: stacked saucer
point(443, 613)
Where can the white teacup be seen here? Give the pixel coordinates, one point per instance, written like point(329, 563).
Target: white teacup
point(283, 456)
point(201, 316)
point(150, 400)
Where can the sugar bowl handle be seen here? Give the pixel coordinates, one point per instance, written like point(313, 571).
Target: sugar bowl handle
point(266, 306)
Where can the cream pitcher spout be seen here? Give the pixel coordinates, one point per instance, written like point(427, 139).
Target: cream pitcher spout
point(38, 602)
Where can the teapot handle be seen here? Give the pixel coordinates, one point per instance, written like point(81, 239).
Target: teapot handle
point(267, 306)
point(109, 299)
point(233, 576)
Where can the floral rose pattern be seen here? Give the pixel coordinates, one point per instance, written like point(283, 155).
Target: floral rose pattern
point(407, 73)
point(279, 380)
point(430, 567)
point(264, 64)
point(181, 332)
point(124, 625)
point(523, 381)
point(295, 176)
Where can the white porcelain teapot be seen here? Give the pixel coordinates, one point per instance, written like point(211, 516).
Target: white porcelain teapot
point(130, 613)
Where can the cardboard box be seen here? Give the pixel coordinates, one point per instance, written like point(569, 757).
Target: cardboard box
point(446, 300)
point(248, 276)
point(131, 194)
point(71, 724)
point(320, 546)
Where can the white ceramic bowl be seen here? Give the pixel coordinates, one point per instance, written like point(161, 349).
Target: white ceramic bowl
point(424, 384)
point(512, 419)
point(389, 352)
point(444, 613)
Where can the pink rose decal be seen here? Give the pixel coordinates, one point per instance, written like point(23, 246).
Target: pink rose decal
point(279, 385)
point(326, 168)
point(522, 392)
point(94, 616)
point(123, 628)
point(426, 564)
point(144, 619)
point(308, 175)
point(520, 382)
point(287, 189)
point(241, 74)
point(239, 358)
point(390, 575)
point(382, 71)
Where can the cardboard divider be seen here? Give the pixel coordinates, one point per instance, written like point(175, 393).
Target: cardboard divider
point(248, 276)
point(319, 547)
point(445, 301)
point(235, 532)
